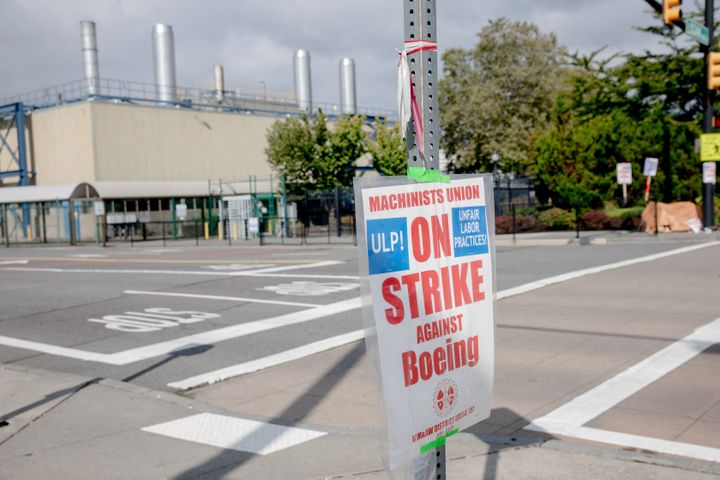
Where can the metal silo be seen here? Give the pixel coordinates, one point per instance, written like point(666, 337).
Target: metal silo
point(219, 76)
point(303, 84)
point(348, 94)
point(164, 57)
point(90, 56)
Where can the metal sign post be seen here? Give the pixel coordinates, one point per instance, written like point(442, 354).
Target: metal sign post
point(423, 149)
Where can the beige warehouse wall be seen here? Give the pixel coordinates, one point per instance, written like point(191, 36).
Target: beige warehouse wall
point(157, 143)
point(61, 144)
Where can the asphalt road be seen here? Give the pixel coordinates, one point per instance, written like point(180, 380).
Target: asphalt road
point(154, 316)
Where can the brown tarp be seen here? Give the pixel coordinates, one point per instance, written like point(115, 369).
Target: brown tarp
point(671, 217)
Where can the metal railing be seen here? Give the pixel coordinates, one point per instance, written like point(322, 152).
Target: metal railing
point(241, 99)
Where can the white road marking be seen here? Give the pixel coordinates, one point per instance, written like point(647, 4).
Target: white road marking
point(529, 287)
point(234, 331)
point(269, 361)
point(284, 268)
point(290, 355)
point(88, 255)
point(13, 262)
point(310, 289)
point(235, 433)
point(238, 266)
point(149, 351)
point(220, 297)
point(54, 350)
point(205, 338)
point(569, 419)
point(261, 272)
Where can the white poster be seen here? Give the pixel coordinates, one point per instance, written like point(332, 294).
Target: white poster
point(709, 175)
point(624, 173)
point(650, 167)
point(427, 262)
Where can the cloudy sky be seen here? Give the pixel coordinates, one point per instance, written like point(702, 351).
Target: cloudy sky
point(255, 39)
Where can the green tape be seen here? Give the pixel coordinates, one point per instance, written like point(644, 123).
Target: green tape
point(425, 175)
point(438, 442)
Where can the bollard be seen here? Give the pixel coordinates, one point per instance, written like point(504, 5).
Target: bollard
point(207, 231)
point(220, 231)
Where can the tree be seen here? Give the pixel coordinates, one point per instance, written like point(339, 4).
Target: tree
point(497, 97)
point(623, 109)
point(313, 156)
point(388, 150)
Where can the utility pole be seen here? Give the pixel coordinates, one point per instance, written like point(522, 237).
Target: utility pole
point(708, 188)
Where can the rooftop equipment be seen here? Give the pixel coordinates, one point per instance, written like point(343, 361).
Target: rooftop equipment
point(348, 94)
point(164, 58)
point(90, 57)
point(303, 84)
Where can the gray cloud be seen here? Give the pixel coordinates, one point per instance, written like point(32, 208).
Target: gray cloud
point(255, 40)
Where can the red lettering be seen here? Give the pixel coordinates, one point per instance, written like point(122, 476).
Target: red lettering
point(409, 281)
point(396, 314)
point(426, 368)
point(431, 291)
point(439, 357)
point(441, 236)
point(420, 232)
point(476, 280)
point(410, 371)
point(459, 276)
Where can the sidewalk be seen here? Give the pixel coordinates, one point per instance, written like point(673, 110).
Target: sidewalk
point(600, 237)
point(63, 426)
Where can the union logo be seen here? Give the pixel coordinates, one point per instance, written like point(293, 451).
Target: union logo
point(445, 397)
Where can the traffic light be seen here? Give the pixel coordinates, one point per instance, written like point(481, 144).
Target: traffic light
point(713, 73)
point(671, 11)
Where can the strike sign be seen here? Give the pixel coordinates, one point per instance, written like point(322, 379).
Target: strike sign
point(427, 264)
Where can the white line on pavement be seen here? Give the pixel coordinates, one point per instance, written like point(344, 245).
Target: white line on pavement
point(528, 287)
point(221, 334)
point(289, 355)
point(13, 262)
point(205, 338)
point(220, 297)
point(570, 418)
point(179, 272)
point(119, 358)
point(235, 433)
point(267, 362)
point(54, 350)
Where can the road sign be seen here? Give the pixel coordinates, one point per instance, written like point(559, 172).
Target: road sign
point(697, 32)
point(427, 265)
point(624, 173)
point(99, 207)
point(650, 167)
point(710, 147)
point(709, 175)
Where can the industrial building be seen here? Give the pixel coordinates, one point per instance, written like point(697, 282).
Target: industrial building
point(71, 146)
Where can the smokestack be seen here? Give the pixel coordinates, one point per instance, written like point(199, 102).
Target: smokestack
point(90, 57)
point(219, 77)
point(303, 85)
point(348, 95)
point(164, 57)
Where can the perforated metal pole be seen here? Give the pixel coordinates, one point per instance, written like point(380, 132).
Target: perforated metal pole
point(419, 18)
point(420, 25)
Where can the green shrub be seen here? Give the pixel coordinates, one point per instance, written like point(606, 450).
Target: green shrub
point(557, 219)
